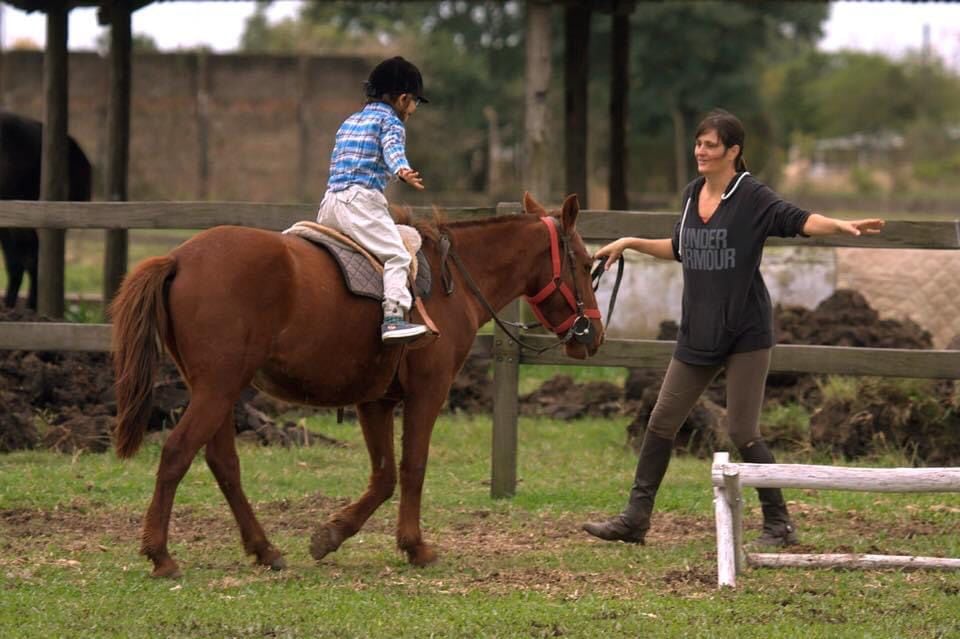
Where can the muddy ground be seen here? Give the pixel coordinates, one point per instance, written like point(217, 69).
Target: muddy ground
point(64, 401)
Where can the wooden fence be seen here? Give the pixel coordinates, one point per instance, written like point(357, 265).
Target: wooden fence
point(729, 479)
point(594, 226)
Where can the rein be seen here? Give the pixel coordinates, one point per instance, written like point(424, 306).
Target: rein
point(598, 272)
point(577, 326)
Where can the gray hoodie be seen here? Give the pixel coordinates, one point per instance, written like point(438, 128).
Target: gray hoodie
point(726, 307)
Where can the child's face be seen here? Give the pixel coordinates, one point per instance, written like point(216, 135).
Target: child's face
point(405, 104)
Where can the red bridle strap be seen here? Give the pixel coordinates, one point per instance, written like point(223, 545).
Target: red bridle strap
point(557, 284)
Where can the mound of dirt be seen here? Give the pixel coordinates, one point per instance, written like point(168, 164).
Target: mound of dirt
point(472, 389)
point(883, 416)
point(843, 319)
point(562, 398)
point(68, 395)
point(64, 401)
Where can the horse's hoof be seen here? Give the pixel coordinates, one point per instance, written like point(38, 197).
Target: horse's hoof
point(167, 569)
point(421, 555)
point(272, 558)
point(325, 541)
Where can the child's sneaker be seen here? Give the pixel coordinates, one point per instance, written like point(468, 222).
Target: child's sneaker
point(395, 330)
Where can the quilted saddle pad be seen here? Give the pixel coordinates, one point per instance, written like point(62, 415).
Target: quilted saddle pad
point(362, 272)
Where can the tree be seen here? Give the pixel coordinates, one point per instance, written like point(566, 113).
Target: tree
point(826, 95)
point(691, 57)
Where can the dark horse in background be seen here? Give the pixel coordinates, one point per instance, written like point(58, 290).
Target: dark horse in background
point(20, 150)
point(235, 306)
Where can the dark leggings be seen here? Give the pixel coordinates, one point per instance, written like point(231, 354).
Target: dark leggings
point(684, 383)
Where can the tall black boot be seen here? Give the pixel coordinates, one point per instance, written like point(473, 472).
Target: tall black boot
point(778, 530)
point(632, 524)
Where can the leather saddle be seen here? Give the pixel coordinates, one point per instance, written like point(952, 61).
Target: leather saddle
point(362, 272)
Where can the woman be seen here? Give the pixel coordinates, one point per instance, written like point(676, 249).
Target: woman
point(726, 320)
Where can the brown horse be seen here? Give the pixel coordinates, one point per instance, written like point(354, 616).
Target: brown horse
point(236, 306)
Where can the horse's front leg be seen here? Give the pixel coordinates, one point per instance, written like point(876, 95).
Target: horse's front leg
point(419, 415)
point(376, 420)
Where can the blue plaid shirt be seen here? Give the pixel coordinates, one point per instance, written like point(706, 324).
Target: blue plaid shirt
point(369, 149)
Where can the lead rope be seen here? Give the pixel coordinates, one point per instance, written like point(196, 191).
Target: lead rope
point(597, 273)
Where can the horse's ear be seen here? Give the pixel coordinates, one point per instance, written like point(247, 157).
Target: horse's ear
point(568, 213)
point(531, 206)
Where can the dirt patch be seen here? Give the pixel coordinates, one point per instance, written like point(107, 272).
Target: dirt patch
point(480, 550)
point(489, 551)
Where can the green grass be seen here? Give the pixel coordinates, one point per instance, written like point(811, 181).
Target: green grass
point(508, 568)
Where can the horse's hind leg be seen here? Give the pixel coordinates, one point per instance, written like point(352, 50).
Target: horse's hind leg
point(221, 455)
point(203, 417)
point(376, 420)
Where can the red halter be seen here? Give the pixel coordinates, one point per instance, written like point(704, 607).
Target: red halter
point(557, 284)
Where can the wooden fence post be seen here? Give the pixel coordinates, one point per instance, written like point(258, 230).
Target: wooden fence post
point(118, 144)
point(536, 161)
point(202, 100)
point(506, 379)
point(726, 500)
point(576, 55)
point(619, 103)
point(53, 170)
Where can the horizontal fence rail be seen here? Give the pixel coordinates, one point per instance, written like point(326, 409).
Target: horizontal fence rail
point(852, 560)
point(816, 477)
point(627, 353)
point(179, 215)
point(594, 224)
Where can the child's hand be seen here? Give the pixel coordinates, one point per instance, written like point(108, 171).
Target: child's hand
point(412, 178)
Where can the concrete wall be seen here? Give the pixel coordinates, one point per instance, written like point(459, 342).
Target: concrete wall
point(225, 127)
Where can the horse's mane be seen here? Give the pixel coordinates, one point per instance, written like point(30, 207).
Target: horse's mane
point(430, 228)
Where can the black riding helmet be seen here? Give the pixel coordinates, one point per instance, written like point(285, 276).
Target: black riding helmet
point(393, 77)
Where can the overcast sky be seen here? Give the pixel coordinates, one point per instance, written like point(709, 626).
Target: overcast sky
point(887, 27)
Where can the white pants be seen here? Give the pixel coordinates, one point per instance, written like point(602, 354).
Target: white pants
point(362, 214)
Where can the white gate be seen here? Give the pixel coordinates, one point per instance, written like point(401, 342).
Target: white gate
point(729, 479)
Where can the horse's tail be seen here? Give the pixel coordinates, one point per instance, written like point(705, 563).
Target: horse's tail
point(140, 321)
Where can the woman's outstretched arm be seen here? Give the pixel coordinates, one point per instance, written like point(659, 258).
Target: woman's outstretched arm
point(818, 224)
point(662, 249)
